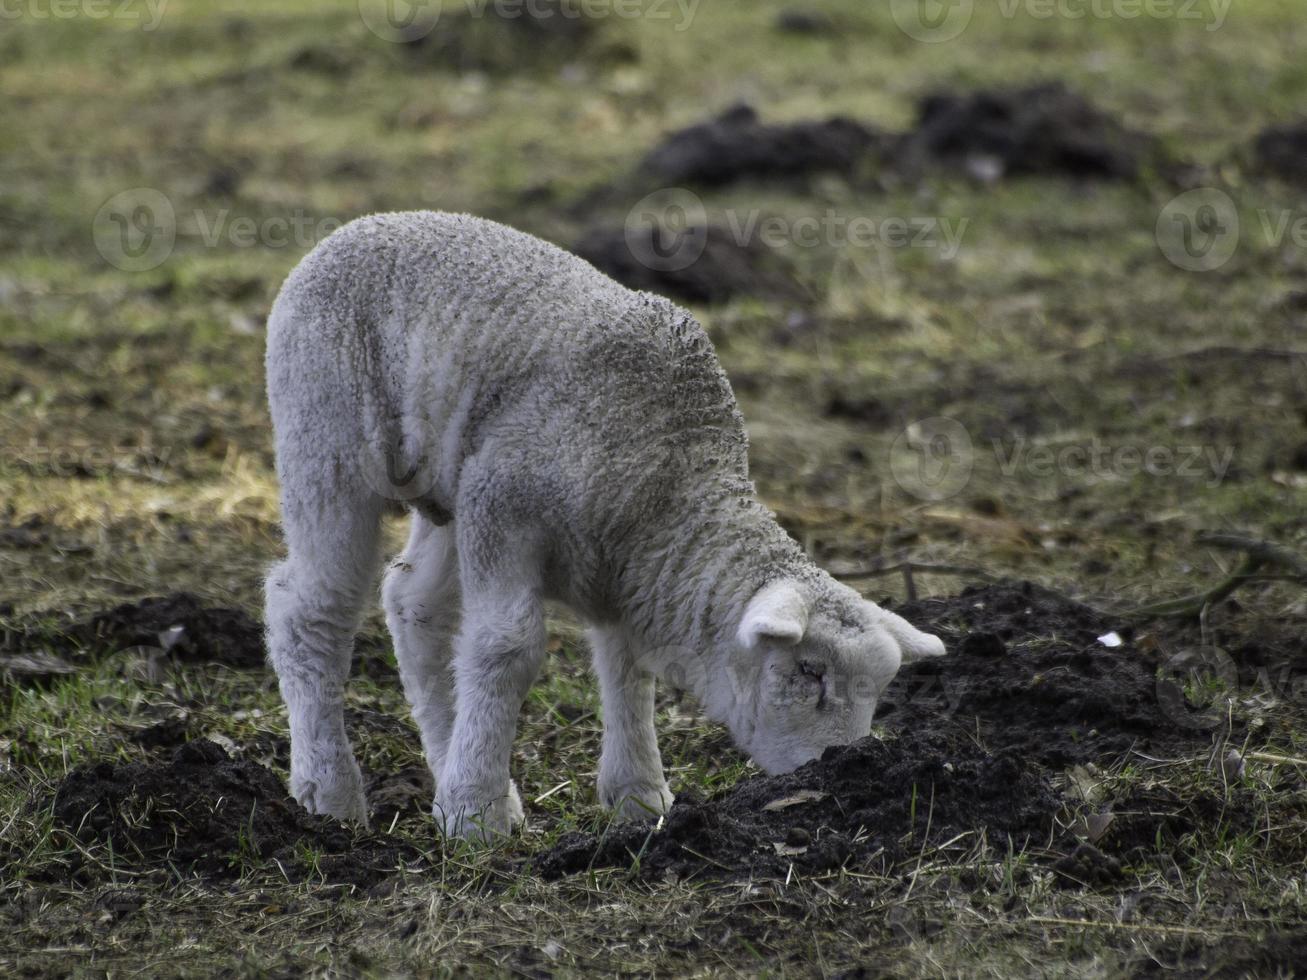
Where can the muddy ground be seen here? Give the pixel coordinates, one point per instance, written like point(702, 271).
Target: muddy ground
point(977, 746)
point(987, 135)
point(1018, 743)
point(203, 813)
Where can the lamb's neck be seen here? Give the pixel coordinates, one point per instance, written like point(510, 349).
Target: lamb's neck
point(688, 582)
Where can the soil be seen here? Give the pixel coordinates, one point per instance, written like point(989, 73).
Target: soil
point(1043, 129)
point(205, 813)
point(990, 134)
point(1281, 150)
point(1026, 673)
point(705, 265)
point(975, 744)
point(854, 803)
point(31, 533)
point(182, 625)
point(737, 146)
point(166, 734)
point(1277, 954)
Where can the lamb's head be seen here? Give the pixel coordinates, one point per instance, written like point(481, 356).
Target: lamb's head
point(812, 660)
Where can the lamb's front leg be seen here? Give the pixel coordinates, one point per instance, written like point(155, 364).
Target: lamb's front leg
point(497, 656)
point(631, 779)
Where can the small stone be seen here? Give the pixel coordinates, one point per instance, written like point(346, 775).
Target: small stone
point(797, 837)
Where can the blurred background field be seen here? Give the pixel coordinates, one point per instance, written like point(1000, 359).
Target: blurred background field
point(1055, 321)
point(1102, 402)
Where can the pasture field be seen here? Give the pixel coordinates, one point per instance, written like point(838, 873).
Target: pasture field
point(1063, 399)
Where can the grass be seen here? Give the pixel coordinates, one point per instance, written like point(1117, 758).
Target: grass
point(135, 444)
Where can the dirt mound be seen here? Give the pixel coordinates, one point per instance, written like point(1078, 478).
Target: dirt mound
point(208, 814)
point(182, 625)
point(697, 265)
point(1027, 690)
point(1281, 150)
point(504, 38)
point(855, 804)
point(1026, 673)
point(737, 146)
point(809, 23)
point(1044, 129)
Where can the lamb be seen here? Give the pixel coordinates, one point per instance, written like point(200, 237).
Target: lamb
point(555, 436)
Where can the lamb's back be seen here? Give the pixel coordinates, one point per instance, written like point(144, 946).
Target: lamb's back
point(475, 328)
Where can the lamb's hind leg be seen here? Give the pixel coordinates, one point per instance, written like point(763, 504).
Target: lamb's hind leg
point(421, 598)
point(497, 654)
point(499, 650)
point(313, 602)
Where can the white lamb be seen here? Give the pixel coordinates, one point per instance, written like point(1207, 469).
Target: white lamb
point(555, 436)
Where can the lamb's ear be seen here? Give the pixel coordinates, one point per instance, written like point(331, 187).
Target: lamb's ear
point(914, 644)
point(778, 612)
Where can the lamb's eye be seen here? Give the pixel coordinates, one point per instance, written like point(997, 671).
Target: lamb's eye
point(809, 669)
point(817, 673)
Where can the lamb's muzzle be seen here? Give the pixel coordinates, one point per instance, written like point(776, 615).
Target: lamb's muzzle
point(555, 436)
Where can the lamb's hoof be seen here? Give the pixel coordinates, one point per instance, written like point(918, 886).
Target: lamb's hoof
point(466, 816)
point(637, 801)
point(333, 791)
